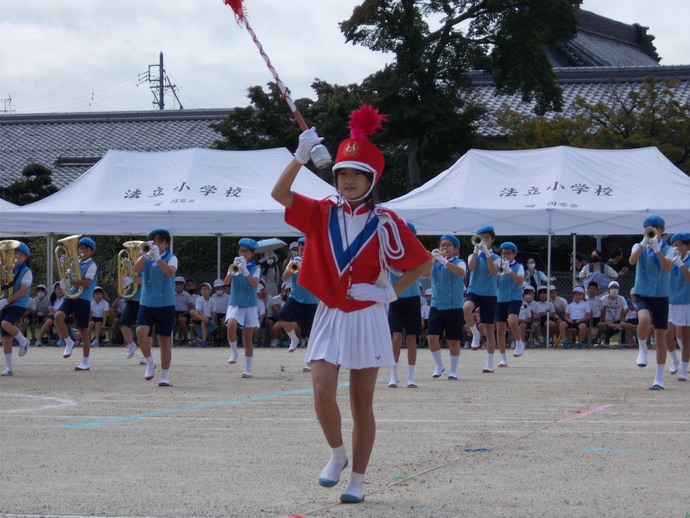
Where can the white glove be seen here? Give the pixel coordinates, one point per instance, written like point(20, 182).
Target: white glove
point(242, 263)
point(655, 245)
point(155, 252)
point(307, 140)
point(238, 260)
point(127, 281)
point(296, 259)
point(3, 303)
point(645, 242)
point(484, 248)
point(441, 260)
point(505, 265)
point(677, 259)
point(64, 283)
point(364, 291)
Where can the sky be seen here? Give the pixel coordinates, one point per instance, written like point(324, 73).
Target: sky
point(94, 55)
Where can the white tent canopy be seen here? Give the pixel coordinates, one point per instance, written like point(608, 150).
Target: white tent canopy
point(6, 205)
point(558, 190)
point(189, 192)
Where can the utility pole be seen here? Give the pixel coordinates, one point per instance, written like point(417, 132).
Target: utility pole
point(159, 84)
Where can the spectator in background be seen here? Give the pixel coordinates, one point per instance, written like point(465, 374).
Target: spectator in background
point(526, 318)
point(615, 258)
point(614, 308)
point(580, 262)
point(184, 304)
point(270, 272)
point(190, 287)
point(597, 271)
point(559, 303)
point(534, 277)
point(577, 316)
point(56, 299)
point(204, 313)
point(546, 316)
point(426, 307)
point(99, 316)
point(40, 306)
point(629, 324)
point(596, 305)
point(222, 298)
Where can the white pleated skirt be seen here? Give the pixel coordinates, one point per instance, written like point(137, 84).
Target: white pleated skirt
point(356, 340)
point(679, 314)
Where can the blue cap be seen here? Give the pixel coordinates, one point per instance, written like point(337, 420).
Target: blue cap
point(302, 240)
point(24, 249)
point(88, 242)
point(680, 236)
point(509, 245)
point(163, 231)
point(452, 239)
point(485, 228)
point(412, 228)
point(654, 221)
point(248, 242)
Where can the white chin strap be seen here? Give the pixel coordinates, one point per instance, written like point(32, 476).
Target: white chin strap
point(362, 197)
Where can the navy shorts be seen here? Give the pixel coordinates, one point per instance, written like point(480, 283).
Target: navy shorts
point(303, 314)
point(504, 309)
point(163, 318)
point(11, 314)
point(97, 319)
point(451, 320)
point(487, 315)
point(80, 308)
point(129, 315)
point(658, 307)
point(405, 315)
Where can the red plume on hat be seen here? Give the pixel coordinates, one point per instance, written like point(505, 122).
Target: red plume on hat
point(237, 8)
point(357, 152)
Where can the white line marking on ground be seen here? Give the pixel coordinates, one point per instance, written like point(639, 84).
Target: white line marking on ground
point(59, 402)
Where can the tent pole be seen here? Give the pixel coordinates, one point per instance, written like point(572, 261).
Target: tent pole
point(49, 260)
point(574, 267)
point(218, 256)
point(548, 293)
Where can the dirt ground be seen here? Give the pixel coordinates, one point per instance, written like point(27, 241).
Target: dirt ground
point(559, 433)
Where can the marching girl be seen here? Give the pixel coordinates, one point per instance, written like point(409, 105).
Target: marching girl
point(14, 306)
point(679, 304)
point(352, 242)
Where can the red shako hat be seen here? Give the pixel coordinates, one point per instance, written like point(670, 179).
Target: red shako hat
point(357, 152)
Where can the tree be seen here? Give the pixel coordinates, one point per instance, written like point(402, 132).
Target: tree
point(37, 185)
point(421, 89)
point(634, 116)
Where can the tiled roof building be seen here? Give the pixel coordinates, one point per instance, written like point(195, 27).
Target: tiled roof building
point(604, 57)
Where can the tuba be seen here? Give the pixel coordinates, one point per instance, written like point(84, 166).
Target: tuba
point(7, 248)
point(126, 259)
point(67, 261)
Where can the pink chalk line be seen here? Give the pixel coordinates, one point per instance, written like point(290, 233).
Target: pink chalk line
point(588, 412)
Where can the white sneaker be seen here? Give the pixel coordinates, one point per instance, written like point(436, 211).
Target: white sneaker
point(7, 372)
point(275, 342)
point(38, 342)
point(674, 367)
point(131, 349)
point(25, 347)
point(95, 343)
point(642, 359)
point(519, 349)
point(293, 346)
point(233, 357)
point(475, 342)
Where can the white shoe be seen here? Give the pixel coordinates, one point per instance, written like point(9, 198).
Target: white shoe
point(673, 370)
point(475, 342)
point(393, 383)
point(233, 357)
point(131, 349)
point(293, 346)
point(275, 342)
point(642, 359)
point(25, 347)
point(38, 342)
point(95, 343)
point(68, 350)
point(519, 349)
point(7, 372)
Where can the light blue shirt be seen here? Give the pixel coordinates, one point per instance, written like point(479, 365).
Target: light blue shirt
point(446, 287)
point(650, 278)
point(481, 281)
point(680, 287)
point(242, 294)
point(508, 289)
point(300, 293)
point(157, 289)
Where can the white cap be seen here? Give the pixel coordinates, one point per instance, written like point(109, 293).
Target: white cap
point(552, 287)
point(428, 292)
point(294, 244)
point(286, 286)
point(218, 283)
point(613, 284)
point(527, 287)
point(579, 289)
point(42, 286)
point(179, 279)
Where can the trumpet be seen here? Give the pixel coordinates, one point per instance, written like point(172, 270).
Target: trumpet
point(295, 264)
point(234, 269)
point(502, 270)
point(434, 253)
point(67, 262)
point(144, 247)
point(476, 240)
point(126, 259)
point(7, 248)
point(650, 234)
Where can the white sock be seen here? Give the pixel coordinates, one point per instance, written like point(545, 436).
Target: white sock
point(437, 358)
point(475, 331)
point(164, 375)
point(8, 361)
point(339, 454)
point(674, 356)
point(490, 361)
point(149, 362)
point(336, 464)
point(684, 369)
point(394, 372)
point(659, 378)
point(21, 339)
point(504, 358)
point(248, 364)
point(643, 345)
point(355, 486)
point(233, 347)
point(454, 360)
point(84, 362)
point(410, 374)
point(293, 337)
